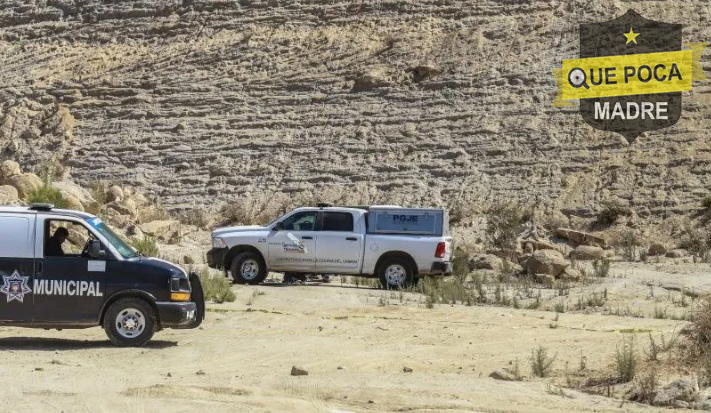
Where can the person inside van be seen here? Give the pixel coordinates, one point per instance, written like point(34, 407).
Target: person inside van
point(54, 243)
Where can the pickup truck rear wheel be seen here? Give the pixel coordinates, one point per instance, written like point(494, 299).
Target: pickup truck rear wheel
point(396, 273)
point(248, 268)
point(130, 322)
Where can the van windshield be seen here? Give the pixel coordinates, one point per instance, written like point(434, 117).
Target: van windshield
point(124, 249)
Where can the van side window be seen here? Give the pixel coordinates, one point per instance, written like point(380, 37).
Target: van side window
point(337, 221)
point(65, 238)
point(14, 237)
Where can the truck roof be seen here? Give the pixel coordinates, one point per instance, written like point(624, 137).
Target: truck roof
point(48, 211)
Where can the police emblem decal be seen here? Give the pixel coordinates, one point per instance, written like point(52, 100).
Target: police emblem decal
point(15, 287)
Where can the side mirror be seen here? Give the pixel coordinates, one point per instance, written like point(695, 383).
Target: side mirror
point(278, 227)
point(95, 250)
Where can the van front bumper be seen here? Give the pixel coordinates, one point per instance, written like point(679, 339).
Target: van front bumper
point(444, 268)
point(216, 258)
point(176, 314)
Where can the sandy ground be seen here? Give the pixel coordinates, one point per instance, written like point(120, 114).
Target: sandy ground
point(353, 347)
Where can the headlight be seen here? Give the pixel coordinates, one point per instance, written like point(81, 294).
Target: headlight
point(218, 242)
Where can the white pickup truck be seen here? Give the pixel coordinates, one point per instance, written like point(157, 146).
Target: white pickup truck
point(395, 244)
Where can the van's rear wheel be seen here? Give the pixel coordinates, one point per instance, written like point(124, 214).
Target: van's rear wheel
point(130, 322)
point(396, 273)
point(248, 268)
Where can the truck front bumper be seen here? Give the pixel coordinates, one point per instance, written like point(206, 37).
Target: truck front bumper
point(176, 314)
point(443, 268)
point(216, 257)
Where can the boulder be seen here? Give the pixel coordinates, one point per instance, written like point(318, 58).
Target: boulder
point(579, 237)
point(72, 201)
point(549, 262)
point(25, 183)
point(76, 191)
point(656, 249)
point(8, 195)
point(114, 194)
point(155, 228)
point(587, 252)
point(684, 389)
point(485, 262)
point(677, 253)
point(8, 169)
point(571, 274)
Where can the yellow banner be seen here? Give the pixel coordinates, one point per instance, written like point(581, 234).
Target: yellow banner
point(624, 75)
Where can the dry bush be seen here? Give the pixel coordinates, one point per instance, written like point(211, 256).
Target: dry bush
point(541, 362)
point(626, 360)
point(216, 287)
point(611, 211)
point(504, 223)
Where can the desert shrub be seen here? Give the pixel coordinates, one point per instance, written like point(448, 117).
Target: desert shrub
point(706, 203)
point(196, 217)
point(601, 267)
point(49, 195)
point(696, 241)
point(146, 246)
point(504, 222)
point(541, 362)
point(626, 360)
point(645, 387)
point(699, 331)
point(216, 287)
point(188, 260)
point(460, 263)
point(610, 212)
point(629, 243)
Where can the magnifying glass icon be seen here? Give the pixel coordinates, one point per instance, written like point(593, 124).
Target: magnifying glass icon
point(577, 78)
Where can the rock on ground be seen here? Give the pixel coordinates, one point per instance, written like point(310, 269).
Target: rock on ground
point(587, 252)
point(549, 262)
point(684, 389)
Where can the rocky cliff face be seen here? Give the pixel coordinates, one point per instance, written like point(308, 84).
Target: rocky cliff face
point(419, 102)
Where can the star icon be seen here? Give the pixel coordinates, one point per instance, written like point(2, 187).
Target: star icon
point(15, 287)
point(631, 36)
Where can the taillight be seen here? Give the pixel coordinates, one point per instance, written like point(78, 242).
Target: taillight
point(441, 250)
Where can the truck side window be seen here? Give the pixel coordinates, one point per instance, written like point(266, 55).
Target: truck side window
point(337, 221)
point(65, 238)
point(301, 221)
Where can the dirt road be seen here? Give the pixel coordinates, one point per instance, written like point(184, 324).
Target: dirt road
point(354, 342)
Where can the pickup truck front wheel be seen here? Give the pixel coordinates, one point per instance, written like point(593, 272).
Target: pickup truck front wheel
point(248, 268)
point(396, 273)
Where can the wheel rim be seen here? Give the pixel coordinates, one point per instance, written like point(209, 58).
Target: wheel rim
point(249, 269)
point(395, 275)
point(130, 323)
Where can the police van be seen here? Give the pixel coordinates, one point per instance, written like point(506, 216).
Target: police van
point(67, 269)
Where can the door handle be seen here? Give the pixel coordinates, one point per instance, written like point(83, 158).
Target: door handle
point(351, 239)
point(307, 237)
point(39, 267)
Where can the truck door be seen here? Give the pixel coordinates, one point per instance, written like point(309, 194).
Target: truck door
point(339, 247)
point(69, 285)
point(293, 248)
point(16, 266)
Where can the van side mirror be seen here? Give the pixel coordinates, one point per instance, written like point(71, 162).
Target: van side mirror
point(278, 227)
point(95, 250)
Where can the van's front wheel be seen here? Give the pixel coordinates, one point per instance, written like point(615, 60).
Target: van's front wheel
point(248, 268)
point(396, 273)
point(130, 322)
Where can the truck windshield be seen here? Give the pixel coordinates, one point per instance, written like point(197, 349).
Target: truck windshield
point(124, 249)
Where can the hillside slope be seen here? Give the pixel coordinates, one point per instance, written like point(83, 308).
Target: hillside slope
point(420, 102)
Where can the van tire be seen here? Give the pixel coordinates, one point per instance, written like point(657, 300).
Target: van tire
point(248, 268)
point(396, 273)
point(130, 322)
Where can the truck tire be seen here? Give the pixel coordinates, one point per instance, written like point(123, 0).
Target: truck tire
point(396, 273)
point(130, 322)
point(248, 268)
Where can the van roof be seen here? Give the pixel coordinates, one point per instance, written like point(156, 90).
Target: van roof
point(53, 211)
